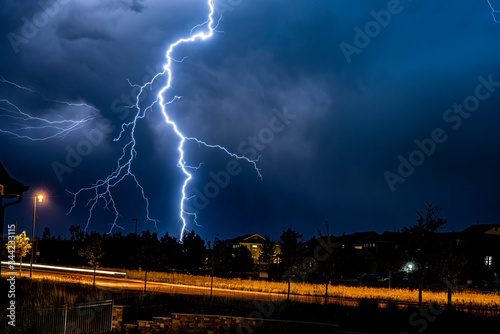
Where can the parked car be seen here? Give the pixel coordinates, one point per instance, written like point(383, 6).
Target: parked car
point(399, 277)
point(372, 278)
point(495, 285)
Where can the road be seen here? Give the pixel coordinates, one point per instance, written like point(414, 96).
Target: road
point(114, 284)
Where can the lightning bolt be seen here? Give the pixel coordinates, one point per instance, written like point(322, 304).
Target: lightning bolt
point(102, 189)
point(24, 123)
point(493, 11)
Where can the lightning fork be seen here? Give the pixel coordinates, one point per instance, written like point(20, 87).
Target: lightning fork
point(493, 11)
point(102, 189)
point(23, 122)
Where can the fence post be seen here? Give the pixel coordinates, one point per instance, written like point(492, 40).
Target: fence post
point(111, 322)
point(65, 317)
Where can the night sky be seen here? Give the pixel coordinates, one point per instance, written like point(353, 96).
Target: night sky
point(361, 112)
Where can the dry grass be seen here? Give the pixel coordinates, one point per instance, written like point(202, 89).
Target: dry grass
point(465, 298)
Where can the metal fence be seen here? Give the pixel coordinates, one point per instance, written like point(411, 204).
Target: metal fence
point(82, 318)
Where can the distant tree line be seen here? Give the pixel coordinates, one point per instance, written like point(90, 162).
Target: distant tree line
point(322, 259)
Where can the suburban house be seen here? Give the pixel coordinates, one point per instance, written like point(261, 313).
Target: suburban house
point(482, 242)
point(10, 189)
point(254, 244)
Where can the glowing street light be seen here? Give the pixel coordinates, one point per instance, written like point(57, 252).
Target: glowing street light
point(38, 198)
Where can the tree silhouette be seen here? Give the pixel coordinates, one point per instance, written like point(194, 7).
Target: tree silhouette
point(149, 253)
point(326, 241)
point(93, 251)
point(192, 251)
point(290, 241)
point(268, 254)
point(449, 263)
point(22, 247)
point(419, 241)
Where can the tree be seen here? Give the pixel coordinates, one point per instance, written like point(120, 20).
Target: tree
point(93, 251)
point(268, 251)
point(419, 242)
point(329, 262)
point(242, 261)
point(269, 255)
point(389, 262)
point(46, 234)
point(192, 251)
point(149, 253)
point(170, 250)
point(449, 263)
point(220, 256)
point(77, 234)
point(290, 241)
point(22, 247)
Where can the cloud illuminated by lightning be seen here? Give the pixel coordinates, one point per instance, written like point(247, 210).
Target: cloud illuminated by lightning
point(23, 125)
point(102, 189)
point(493, 11)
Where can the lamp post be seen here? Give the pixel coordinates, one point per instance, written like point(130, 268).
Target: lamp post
point(38, 198)
point(37, 239)
point(135, 219)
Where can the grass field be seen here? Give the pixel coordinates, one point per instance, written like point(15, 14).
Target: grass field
point(464, 298)
point(368, 317)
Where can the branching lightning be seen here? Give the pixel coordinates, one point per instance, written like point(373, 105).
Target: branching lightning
point(102, 189)
point(23, 125)
point(494, 11)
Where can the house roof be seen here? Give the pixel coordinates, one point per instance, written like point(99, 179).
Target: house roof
point(482, 229)
point(255, 238)
point(359, 237)
point(11, 188)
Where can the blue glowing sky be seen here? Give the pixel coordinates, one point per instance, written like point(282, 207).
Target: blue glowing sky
point(362, 82)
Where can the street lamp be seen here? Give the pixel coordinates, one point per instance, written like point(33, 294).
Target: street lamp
point(38, 198)
point(135, 219)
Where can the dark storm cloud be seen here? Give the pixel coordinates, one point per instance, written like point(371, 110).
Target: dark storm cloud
point(353, 119)
point(136, 5)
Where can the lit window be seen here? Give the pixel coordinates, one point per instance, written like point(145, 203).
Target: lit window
point(358, 247)
point(254, 246)
point(488, 261)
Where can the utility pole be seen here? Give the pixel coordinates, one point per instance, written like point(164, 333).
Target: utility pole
point(212, 275)
point(36, 238)
point(38, 198)
point(135, 219)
